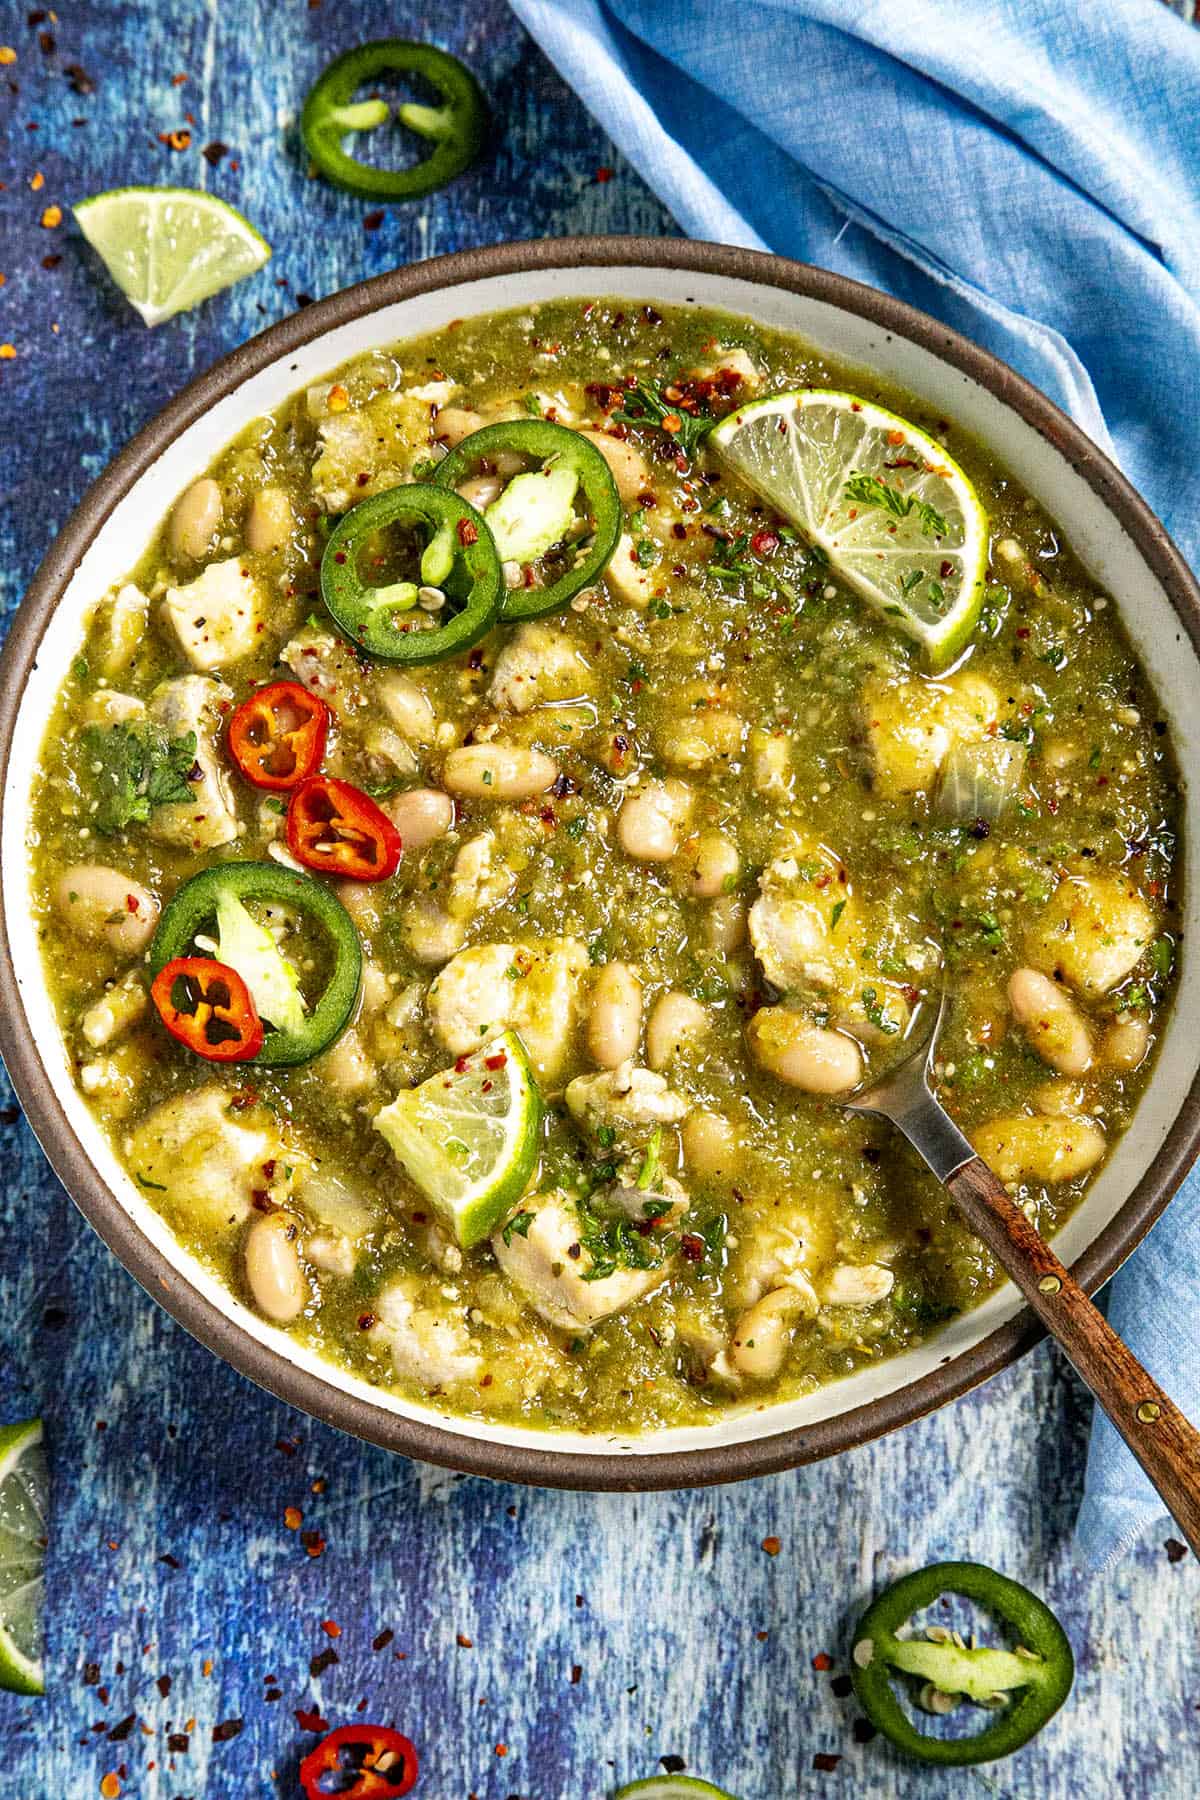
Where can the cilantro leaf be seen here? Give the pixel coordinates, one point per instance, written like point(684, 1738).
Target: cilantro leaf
point(868, 490)
point(133, 768)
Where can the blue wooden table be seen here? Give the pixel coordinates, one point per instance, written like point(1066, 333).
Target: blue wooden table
point(534, 1644)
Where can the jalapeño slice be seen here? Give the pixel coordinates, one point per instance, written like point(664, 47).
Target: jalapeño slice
point(193, 908)
point(457, 128)
point(1034, 1680)
point(559, 520)
point(420, 531)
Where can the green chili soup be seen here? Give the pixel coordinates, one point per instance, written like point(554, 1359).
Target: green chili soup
point(465, 915)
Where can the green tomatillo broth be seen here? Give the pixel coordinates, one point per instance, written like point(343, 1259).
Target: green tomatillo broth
point(702, 839)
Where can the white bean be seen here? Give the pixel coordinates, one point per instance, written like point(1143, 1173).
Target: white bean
point(420, 816)
point(675, 1019)
point(726, 924)
point(856, 1284)
point(270, 521)
point(762, 1334)
point(628, 465)
point(100, 903)
point(407, 705)
point(1051, 1021)
point(480, 490)
point(196, 518)
point(498, 772)
point(713, 865)
point(651, 822)
point(454, 423)
point(710, 1145)
point(615, 1016)
point(1048, 1149)
point(1126, 1043)
point(807, 1056)
point(273, 1273)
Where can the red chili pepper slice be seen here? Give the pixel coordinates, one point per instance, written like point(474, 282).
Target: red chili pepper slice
point(207, 1006)
point(335, 828)
point(378, 1764)
point(277, 735)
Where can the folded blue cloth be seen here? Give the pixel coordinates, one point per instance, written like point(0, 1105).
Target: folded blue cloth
point(1028, 172)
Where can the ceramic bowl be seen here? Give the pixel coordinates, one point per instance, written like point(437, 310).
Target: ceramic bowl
point(1120, 542)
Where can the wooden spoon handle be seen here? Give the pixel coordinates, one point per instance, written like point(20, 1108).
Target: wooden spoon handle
point(1165, 1444)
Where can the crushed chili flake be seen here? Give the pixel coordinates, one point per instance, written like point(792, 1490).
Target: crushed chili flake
point(373, 220)
point(7, 54)
point(313, 1542)
point(91, 1674)
point(772, 1545)
point(467, 533)
point(825, 1761)
point(1175, 1550)
point(501, 1749)
point(603, 173)
point(309, 1719)
point(822, 1661)
point(37, 181)
point(228, 1728)
point(177, 1743)
point(7, 352)
point(841, 1687)
point(51, 218)
point(122, 1729)
point(464, 1643)
point(293, 1518)
point(163, 1684)
point(382, 1641)
point(212, 153)
point(674, 1765)
point(864, 1731)
point(172, 1562)
point(576, 1674)
point(324, 1659)
point(175, 140)
point(110, 1786)
point(330, 1628)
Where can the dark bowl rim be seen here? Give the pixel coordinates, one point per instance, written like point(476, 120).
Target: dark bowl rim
point(601, 1470)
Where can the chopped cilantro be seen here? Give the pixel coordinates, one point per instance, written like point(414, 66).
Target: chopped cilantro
point(134, 768)
point(869, 490)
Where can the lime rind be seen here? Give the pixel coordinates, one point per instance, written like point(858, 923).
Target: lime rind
point(671, 1787)
point(24, 1489)
point(924, 569)
point(168, 249)
point(470, 1136)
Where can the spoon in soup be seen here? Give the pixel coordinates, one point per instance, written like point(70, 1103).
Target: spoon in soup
point(1162, 1439)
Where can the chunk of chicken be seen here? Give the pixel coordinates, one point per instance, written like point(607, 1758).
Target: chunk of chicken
point(218, 618)
point(539, 664)
point(200, 1157)
point(912, 722)
point(116, 1011)
point(1091, 932)
point(809, 935)
point(620, 1107)
point(536, 991)
point(625, 577)
point(372, 447)
point(550, 1268)
point(480, 878)
point(196, 703)
point(325, 664)
point(426, 1334)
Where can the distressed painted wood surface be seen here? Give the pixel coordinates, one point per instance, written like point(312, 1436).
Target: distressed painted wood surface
point(587, 1635)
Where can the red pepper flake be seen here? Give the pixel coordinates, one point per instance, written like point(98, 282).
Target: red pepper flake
point(313, 1542)
point(826, 1761)
point(603, 174)
point(51, 218)
point(122, 1729)
point(373, 220)
point(163, 1684)
point(175, 140)
point(864, 1731)
point(331, 1629)
point(463, 1642)
point(178, 80)
point(468, 534)
point(691, 1247)
point(293, 1518)
point(841, 1687)
point(177, 1743)
point(496, 1062)
point(1175, 1550)
point(576, 1674)
point(383, 1640)
point(324, 1659)
point(821, 1661)
point(764, 543)
point(110, 1786)
point(227, 1729)
point(213, 153)
point(309, 1719)
point(772, 1545)
point(501, 1749)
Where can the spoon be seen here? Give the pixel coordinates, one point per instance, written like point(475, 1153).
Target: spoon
point(1164, 1442)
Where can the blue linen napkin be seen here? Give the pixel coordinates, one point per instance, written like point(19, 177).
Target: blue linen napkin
point(1029, 173)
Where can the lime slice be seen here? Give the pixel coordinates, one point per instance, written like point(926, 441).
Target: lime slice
point(169, 248)
point(896, 516)
point(671, 1787)
point(469, 1138)
point(24, 1492)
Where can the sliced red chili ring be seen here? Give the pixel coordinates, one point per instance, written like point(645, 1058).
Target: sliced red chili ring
point(207, 1006)
point(277, 735)
point(360, 1762)
point(335, 828)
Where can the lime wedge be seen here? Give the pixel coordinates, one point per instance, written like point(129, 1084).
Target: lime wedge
point(671, 1787)
point(897, 518)
point(24, 1493)
point(469, 1138)
point(169, 248)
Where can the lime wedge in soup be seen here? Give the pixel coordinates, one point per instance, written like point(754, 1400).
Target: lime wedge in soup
point(896, 516)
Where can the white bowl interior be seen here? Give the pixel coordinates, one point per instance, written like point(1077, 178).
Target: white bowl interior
point(1108, 553)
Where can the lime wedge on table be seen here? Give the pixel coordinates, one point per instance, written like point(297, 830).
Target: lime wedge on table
point(896, 516)
point(169, 248)
point(469, 1137)
point(671, 1787)
point(24, 1492)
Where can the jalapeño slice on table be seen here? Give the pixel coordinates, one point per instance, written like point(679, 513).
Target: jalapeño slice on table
point(412, 575)
point(558, 520)
point(215, 899)
point(457, 128)
point(1034, 1679)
